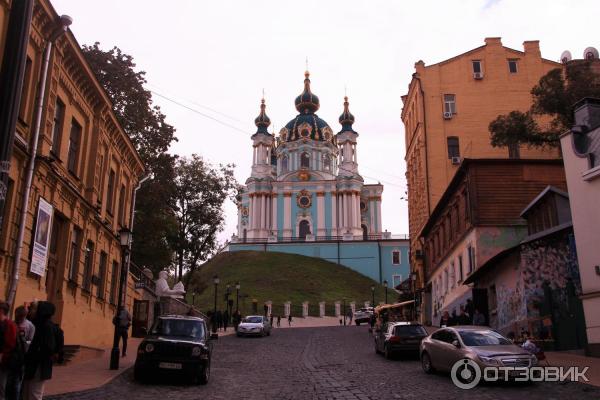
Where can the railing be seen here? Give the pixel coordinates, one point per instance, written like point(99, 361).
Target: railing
point(142, 280)
point(311, 238)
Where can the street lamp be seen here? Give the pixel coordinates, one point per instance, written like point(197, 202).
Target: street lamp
point(228, 291)
point(385, 285)
point(237, 297)
point(124, 241)
point(216, 282)
point(194, 298)
point(373, 297)
point(344, 311)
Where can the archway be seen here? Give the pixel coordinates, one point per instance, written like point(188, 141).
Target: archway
point(303, 229)
point(365, 232)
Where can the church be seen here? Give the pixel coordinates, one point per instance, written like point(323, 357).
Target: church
point(305, 194)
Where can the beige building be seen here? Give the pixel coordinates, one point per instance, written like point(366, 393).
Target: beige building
point(581, 154)
point(446, 114)
point(85, 173)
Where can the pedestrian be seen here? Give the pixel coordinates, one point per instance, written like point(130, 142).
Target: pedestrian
point(271, 319)
point(219, 319)
point(225, 320)
point(8, 335)
point(350, 316)
point(445, 319)
point(279, 321)
point(237, 318)
point(45, 348)
point(372, 320)
point(463, 318)
point(122, 321)
point(290, 320)
point(25, 332)
point(470, 309)
point(453, 318)
point(479, 318)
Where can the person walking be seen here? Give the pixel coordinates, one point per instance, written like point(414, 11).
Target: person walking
point(479, 318)
point(271, 320)
point(219, 320)
point(279, 321)
point(45, 348)
point(445, 320)
point(123, 321)
point(225, 320)
point(8, 336)
point(350, 316)
point(290, 319)
point(25, 332)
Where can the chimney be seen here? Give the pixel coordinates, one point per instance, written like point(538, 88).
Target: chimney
point(587, 113)
point(493, 41)
point(420, 66)
point(532, 47)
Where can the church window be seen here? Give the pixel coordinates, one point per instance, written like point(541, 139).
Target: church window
point(304, 133)
point(450, 103)
point(304, 160)
point(326, 162)
point(284, 164)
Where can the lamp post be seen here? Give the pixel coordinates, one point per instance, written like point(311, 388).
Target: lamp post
point(125, 240)
point(385, 285)
point(194, 298)
point(344, 311)
point(228, 291)
point(237, 297)
point(216, 282)
point(413, 279)
point(373, 297)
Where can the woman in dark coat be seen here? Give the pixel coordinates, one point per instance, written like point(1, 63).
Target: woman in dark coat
point(42, 352)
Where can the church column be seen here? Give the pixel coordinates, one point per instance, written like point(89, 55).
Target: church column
point(372, 216)
point(334, 230)
point(274, 213)
point(258, 199)
point(320, 213)
point(252, 211)
point(287, 214)
point(357, 209)
point(352, 200)
point(342, 200)
point(378, 202)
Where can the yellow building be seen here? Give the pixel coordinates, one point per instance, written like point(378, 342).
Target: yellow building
point(85, 173)
point(446, 114)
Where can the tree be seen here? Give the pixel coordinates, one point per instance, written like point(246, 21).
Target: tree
point(553, 98)
point(200, 191)
point(145, 124)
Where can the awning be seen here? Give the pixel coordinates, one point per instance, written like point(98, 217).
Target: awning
point(378, 309)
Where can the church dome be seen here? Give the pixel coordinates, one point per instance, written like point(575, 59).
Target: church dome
point(262, 122)
point(307, 102)
point(346, 119)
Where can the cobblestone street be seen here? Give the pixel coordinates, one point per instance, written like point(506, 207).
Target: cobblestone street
point(320, 363)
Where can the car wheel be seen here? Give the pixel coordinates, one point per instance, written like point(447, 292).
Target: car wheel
point(269, 333)
point(204, 374)
point(387, 353)
point(426, 363)
point(357, 323)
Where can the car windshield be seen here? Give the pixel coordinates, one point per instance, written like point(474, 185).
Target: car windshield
point(253, 320)
point(483, 338)
point(410, 330)
point(179, 327)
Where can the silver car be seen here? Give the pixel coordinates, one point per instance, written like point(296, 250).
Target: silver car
point(254, 325)
point(363, 315)
point(486, 347)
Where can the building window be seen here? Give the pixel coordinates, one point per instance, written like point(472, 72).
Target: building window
point(460, 268)
point(284, 164)
point(446, 285)
point(450, 103)
point(88, 266)
point(396, 257)
point(397, 280)
point(452, 274)
point(122, 206)
point(57, 126)
point(25, 91)
point(304, 160)
point(114, 278)
point(110, 193)
point(453, 147)
point(476, 66)
point(326, 162)
point(514, 151)
point(101, 275)
point(471, 255)
point(74, 254)
point(512, 66)
point(74, 144)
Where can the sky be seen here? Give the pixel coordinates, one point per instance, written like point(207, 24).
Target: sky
point(208, 62)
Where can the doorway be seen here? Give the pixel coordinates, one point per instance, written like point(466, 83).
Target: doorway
point(303, 229)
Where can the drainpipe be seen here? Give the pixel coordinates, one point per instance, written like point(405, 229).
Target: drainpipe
point(380, 268)
point(65, 21)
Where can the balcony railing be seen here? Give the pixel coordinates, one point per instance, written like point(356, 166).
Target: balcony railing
point(313, 238)
point(142, 280)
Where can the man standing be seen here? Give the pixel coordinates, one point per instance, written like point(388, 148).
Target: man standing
point(25, 330)
point(8, 337)
point(225, 320)
point(123, 321)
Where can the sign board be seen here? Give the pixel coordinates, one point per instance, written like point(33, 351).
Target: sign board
point(140, 285)
point(41, 238)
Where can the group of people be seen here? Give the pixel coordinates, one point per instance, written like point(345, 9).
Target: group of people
point(468, 315)
point(29, 347)
point(271, 318)
point(220, 320)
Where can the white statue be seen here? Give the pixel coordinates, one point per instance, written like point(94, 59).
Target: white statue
point(163, 289)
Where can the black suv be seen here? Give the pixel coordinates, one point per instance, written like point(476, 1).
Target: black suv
point(397, 337)
point(177, 344)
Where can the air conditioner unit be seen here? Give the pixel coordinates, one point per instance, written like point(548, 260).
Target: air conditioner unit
point(455, 160)
point(477, 75)
point(447, 115)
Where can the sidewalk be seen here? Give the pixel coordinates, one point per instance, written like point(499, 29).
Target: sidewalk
point(563, 359)
point(90, 374)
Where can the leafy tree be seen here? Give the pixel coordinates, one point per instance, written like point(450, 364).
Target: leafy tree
point(200, 191)
point(553, 98)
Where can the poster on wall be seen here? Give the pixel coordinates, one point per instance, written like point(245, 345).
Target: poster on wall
point(41, 239)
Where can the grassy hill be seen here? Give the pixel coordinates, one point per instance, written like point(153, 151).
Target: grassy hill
point(280, 277)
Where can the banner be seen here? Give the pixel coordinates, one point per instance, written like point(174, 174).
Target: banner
point(41, 239)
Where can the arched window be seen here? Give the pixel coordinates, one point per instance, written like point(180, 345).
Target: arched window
point(365, 232)
point(326, 162)
point(284, 164)
point(303, 229)
point(304, 160)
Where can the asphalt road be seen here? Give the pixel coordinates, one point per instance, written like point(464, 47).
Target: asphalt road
point(320, 363)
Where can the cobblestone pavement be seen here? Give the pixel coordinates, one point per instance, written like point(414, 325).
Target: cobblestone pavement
point(320, 363)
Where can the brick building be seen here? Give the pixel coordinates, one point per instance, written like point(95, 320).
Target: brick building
point(86, 170)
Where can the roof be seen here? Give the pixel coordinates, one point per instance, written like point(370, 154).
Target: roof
point(543, 193)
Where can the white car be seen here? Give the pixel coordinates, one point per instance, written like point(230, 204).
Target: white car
point(254, 325)
point(363, 315)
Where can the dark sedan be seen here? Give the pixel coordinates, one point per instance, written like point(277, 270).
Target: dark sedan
point(399, 337)
point(181, 345)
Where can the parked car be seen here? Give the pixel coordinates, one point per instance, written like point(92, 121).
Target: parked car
point(254, 325)
point(399, 337)
point(178, 344)
point(363, 315)
point(486, 347)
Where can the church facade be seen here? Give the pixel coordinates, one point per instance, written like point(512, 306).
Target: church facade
point(305, 193)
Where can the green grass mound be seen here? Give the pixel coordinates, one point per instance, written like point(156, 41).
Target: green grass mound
point(280, 277)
